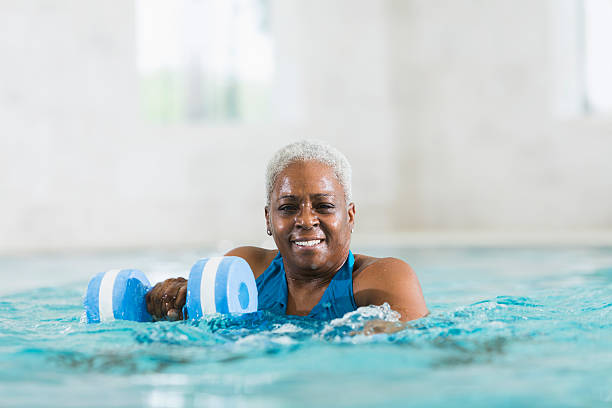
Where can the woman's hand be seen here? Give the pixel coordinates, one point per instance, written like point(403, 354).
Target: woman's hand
point(380, 326)
point(167, 298)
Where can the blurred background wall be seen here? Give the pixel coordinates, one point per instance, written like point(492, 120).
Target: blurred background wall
point(459, 118)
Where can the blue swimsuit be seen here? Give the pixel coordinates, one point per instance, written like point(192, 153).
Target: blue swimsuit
point(336, 300)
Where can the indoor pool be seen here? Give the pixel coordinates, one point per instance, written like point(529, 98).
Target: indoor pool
point(508, 328)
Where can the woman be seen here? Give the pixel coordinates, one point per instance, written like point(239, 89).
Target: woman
point(310, 215)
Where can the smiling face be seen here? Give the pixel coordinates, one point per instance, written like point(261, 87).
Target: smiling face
point(309, 218)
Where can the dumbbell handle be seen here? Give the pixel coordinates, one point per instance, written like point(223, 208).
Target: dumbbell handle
point(167, 287)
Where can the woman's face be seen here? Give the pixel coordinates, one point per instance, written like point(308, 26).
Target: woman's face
point(309, 218)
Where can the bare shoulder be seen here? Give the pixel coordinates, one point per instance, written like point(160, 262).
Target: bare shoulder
point(257, 258)
point(371, 268)
point(390, 280)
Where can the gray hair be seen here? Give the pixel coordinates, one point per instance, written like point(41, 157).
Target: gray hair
point(310, 150)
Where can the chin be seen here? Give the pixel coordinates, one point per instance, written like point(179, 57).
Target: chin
point(311, 261)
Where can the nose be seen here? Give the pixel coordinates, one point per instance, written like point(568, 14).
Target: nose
point(307, 218)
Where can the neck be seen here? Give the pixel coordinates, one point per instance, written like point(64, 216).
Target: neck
point(309, 279)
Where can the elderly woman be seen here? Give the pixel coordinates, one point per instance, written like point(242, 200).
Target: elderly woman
point(310, 216)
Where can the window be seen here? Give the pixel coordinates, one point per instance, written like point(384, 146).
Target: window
point(598, 55)
point(204, 60)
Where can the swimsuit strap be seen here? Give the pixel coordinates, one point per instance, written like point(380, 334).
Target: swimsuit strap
point(337, 299)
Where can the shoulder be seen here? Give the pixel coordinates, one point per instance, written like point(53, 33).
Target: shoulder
point(257, 258)
point(369, 270)
point(390, 280)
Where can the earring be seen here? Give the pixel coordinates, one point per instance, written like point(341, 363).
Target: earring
point(269, 232)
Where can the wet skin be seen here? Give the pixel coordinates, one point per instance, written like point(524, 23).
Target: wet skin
point(308, 204)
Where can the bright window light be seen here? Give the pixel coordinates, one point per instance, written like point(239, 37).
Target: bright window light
point(598, 55)
point(204, 59)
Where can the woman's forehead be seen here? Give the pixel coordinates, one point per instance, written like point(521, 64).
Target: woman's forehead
point(307, 178)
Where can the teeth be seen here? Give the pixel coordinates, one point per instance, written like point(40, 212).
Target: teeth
point(308, 243)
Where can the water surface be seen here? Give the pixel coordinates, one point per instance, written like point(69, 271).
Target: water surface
point(508, 327)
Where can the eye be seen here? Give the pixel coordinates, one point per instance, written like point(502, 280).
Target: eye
point(326, 206)
point(287, 208)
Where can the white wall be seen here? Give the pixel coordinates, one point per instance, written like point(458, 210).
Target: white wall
point(483, 101)
point(455, 116)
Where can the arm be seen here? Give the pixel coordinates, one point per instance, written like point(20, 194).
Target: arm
point(393, 281)
point(257, 258)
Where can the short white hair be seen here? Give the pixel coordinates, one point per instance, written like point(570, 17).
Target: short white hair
point(305, 150)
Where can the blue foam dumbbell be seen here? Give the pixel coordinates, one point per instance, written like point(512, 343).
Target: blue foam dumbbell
point(117, 294)
point(216, 285)
point(221, 285)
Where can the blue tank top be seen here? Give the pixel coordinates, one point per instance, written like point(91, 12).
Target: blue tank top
point(336, 300)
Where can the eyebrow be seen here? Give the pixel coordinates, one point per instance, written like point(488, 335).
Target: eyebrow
point(292, 197)
point(286, 196)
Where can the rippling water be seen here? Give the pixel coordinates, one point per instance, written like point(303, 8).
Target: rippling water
point(507, 328)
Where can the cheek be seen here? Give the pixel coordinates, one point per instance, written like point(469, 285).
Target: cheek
point(338, 224)
point(280, 224)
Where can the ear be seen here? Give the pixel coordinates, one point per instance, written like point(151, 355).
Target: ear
point(267, 214)
point(351, 214)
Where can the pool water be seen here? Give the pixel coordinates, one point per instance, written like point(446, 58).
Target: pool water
point(508, 328)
